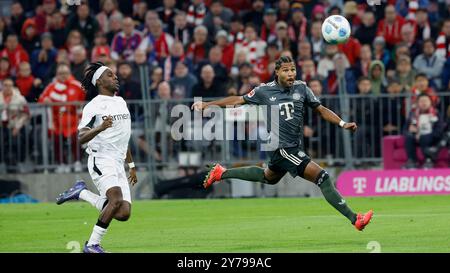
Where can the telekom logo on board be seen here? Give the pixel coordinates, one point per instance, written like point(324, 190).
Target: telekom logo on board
point(359, 184)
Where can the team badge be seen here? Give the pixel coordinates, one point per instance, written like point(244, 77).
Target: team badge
point(251, 93)
point(301, 154)
point(296, 96)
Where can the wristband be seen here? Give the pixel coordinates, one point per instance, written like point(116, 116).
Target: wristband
point(131, 165)
point(342, 123)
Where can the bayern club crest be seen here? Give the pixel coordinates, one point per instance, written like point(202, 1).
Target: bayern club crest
point(296, 96)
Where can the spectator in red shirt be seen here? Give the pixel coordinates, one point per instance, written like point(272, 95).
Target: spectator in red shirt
point(390, 27)
point(24, 80)
point(64, 118)
point(14, 52)
point(226, 47)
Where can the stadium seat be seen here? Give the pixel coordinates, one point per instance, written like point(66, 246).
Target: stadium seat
point(394, 154)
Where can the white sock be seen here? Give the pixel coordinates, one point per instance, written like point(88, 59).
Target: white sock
point(93, 199)
point(96, 236)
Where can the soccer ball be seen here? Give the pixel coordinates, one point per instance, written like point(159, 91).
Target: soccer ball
point(336, 29)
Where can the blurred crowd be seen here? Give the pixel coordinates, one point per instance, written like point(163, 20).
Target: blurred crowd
point(216, 48)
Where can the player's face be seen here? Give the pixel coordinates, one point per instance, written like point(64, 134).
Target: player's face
point(110, 82)
point(286, 74)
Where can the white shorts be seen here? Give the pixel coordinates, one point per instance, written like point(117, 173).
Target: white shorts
point(107, 173)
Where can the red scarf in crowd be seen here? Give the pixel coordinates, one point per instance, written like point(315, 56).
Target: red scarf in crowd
point(301, 30)
point(161, 46)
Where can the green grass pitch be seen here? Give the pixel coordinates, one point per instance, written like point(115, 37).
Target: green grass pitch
point(400, 224)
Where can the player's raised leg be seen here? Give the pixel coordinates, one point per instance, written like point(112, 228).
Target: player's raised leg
point(251, 173)
point(80, 191)
point(317, 175)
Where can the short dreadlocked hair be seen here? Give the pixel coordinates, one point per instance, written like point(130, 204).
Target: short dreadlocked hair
point(282, 60)
point(86, 83)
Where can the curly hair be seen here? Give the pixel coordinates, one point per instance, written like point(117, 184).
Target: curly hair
point(86, 83)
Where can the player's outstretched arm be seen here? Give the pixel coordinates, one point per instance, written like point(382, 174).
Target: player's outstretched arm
point(330, 116)
point(86, 134)
point(228, 101)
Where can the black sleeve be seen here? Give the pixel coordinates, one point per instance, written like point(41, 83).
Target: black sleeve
point(311, 100)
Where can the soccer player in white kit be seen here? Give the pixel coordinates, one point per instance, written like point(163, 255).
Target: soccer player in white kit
point(106, 128)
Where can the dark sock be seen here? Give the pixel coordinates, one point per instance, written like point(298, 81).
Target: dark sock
point(101, 224)
point(334, 198)
point(255, 174)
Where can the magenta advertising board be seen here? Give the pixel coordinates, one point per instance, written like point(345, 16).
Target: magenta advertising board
point(394, 182)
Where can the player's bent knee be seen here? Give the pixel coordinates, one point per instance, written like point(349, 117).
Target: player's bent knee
point(115, 203)
point(124, 213)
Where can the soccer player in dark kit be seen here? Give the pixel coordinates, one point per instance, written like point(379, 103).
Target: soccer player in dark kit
point(290, 97)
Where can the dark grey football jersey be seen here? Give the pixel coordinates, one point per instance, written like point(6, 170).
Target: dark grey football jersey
point(291, 105)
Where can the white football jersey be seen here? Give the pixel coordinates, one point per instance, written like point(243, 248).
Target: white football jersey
point(112, 142)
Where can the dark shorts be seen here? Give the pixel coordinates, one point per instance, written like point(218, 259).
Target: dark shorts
point(291, 160)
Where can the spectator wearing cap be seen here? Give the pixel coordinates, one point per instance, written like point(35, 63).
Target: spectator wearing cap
point(208, 86)
point(298, 28)
point(283, 41)
point(217, 18)
point(318, 13)
point(226, 47)
point(317, 42)
point(101, 51)
point(167, 13)
point(43, 15)
point(351, 12)
point(268, 28)
point(430, 64)
point(14, 52)
point(42, 58)
point(198, 50)
point(78, 62)
point(5, 68)
point(390, 27)
point(126, 42)
point(255, 14)
point(215, 60)
point(15, 114)
point(242, 84)
point(253, 47)
point(380, 52)
point(108, 10)
point(85, 23)
point(284, 10)
point(196, 13)
point(182, 82)
point(57, 28)
point(334, 10)
point(367, 31)
point(180, 31)
point(29, 37)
